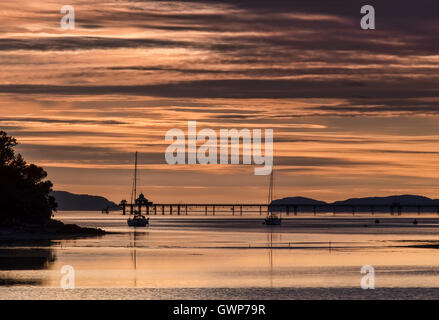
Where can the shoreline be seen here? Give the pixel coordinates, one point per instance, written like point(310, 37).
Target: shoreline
point(54, 230)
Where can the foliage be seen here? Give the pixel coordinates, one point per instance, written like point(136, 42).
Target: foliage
point(24, 192)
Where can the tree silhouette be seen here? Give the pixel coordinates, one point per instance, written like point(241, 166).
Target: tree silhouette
point(24, 192)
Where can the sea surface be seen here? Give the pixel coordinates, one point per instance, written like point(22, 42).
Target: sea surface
point(223, 257)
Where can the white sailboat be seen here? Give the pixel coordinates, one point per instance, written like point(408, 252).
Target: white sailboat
point(272, 218)
point(138, 220)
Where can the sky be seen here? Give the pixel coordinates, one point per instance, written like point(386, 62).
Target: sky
point(354, 112)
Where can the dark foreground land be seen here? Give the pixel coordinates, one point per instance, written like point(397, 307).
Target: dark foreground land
point(54, 230)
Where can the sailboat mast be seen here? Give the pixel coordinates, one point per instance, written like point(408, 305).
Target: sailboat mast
point(135, 178)
point(270, 190)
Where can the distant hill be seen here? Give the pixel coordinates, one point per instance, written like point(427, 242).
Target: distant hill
point(69, 201)
point(403, 200)
point(297, 200)
point(385, 202)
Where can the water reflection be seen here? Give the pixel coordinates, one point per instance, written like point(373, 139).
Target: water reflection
point(23, 259)
point(233, 253)
point(135, 237)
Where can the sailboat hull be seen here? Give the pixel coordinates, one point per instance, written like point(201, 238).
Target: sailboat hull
point(272, 221)
point(138, 222)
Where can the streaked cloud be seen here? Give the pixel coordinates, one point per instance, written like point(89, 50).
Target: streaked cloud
point(353, 111)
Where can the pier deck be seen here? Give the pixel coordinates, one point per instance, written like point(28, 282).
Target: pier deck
point(234, 209)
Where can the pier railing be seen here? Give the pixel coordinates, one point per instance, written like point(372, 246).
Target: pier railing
point(262, 209)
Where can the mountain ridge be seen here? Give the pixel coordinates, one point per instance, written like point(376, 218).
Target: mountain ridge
point(407, 199)
point(68, 201)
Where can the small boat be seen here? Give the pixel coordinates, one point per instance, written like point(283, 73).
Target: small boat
point(272, 219)
point(138, 221)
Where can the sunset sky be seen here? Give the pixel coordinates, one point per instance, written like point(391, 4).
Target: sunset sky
point(354, 112)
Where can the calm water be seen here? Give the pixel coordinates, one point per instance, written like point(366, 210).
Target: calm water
point(229, 258)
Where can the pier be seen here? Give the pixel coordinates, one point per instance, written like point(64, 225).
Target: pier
point(234, 209)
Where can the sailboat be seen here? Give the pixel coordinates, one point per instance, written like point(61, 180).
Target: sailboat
point(138, 220)
point(272, 219)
